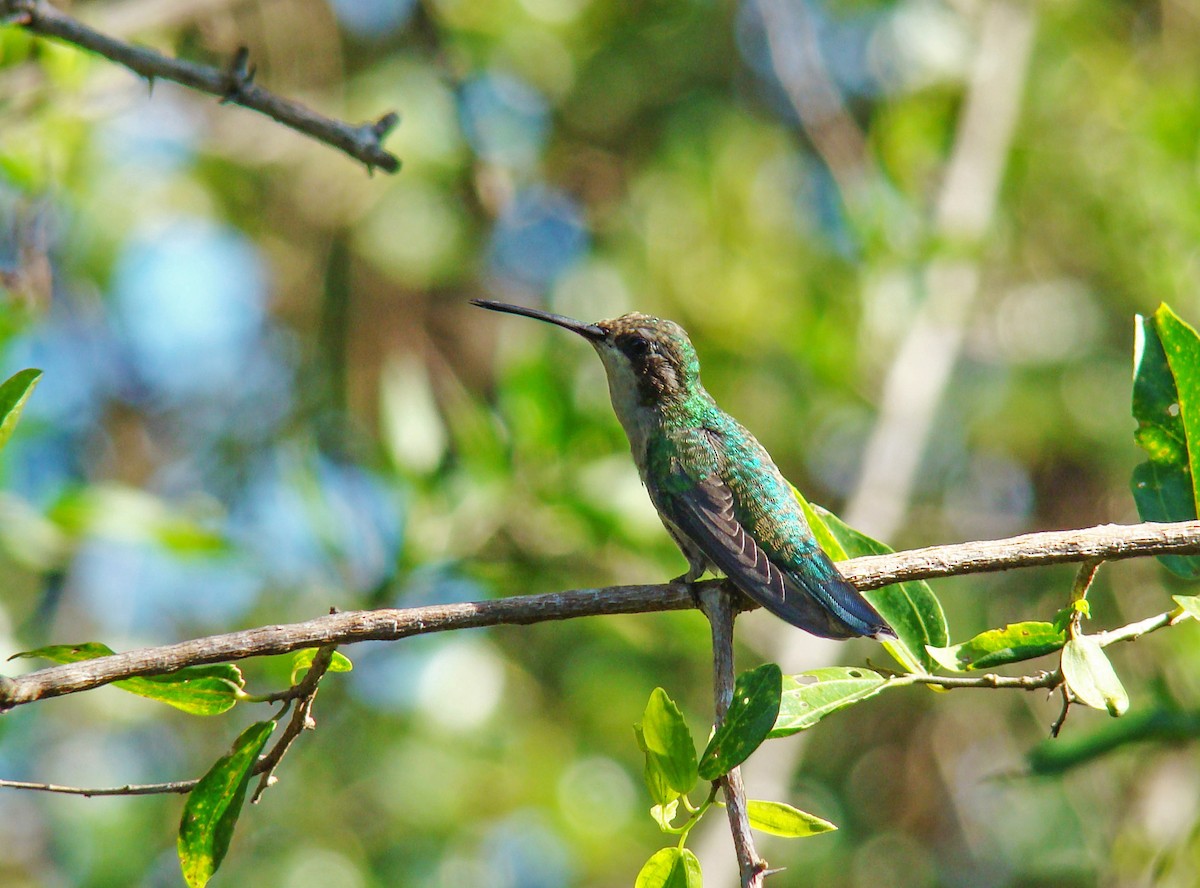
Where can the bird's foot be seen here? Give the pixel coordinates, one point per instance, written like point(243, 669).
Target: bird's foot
point(689, 579)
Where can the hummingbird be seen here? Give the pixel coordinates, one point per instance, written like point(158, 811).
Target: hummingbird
point(716, 489)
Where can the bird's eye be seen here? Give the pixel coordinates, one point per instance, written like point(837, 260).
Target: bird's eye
point(637, 346)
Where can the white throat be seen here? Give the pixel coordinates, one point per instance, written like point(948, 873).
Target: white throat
point(638, 420)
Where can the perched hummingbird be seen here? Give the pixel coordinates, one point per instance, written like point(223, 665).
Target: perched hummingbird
point(715, 487)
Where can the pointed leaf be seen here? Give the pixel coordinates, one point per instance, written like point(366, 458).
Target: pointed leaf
point(303, 659)
point(670, 868)
point(1012, 644)
point(779, 819)
point(666, 738)
point(810, 696)
point(1090, 677)
point(196, 690)
point(1166, 405)
point(1190, 605)
point(910, 608)
point(13, 394)
point(214, 805)
point(751, 715)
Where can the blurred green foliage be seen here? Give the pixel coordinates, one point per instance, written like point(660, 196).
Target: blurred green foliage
point(265, 395)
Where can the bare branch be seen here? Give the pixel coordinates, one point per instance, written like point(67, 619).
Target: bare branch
point(234, 85)
point(131, 789)
point(1111, 542)
point(720, 606)
point(386, 624)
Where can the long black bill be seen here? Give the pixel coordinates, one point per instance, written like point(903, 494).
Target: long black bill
point(588, 331)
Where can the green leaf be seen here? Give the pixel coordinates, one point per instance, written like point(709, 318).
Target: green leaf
point(670, 868)
point(214, 805)
point(1012, 644)
point(910, 608)
point(303, 659)
point(666, 740)
point(1166, 405)
point(1190, 605)
point(1091, 678)
point(751, 715)
point(197, 690)
point(13, 394)
point(810, 696)
point(652, 774)
point(779, 819)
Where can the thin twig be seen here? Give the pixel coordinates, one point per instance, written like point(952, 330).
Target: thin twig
point(1112, 542)
point(302, 720)
point(131, 789)
point(1079, 590)
point(304, 692)
point(233, 86)
point(1128, 632)
point(719, 606)
point(1056, 726)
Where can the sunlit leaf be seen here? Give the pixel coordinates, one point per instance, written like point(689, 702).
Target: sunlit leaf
point(780, 819)
point(810, 696)
point(14, 392)
point(1012, 644)
point(214, 805)
point(303, 659)
point(197, 690)
point(1166, 405)
point(1190, 605)
point(1090, 677)
point(666, 740)
point(751, 716)
point(652, 774)
point(910, 608)
point(670, 868)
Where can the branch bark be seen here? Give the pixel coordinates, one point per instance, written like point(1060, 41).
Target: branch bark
point(1111, 542)
point(720, 607)
point(363, 142)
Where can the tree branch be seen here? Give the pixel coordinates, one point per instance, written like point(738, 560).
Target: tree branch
point(305, 694)
point(300, 695)
point(234, 85)
point(720, 606)
point(1111, 541)
point(130, 789)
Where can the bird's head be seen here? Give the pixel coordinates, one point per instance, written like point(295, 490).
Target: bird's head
point(650, 361)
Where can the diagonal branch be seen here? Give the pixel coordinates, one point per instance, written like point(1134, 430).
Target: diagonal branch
point(305, 694)
point(1111, 542)
point(234, 85)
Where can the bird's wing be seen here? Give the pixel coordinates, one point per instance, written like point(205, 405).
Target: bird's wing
point(821, 601)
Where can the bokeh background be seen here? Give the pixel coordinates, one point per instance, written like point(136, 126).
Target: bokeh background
point(908, 239)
